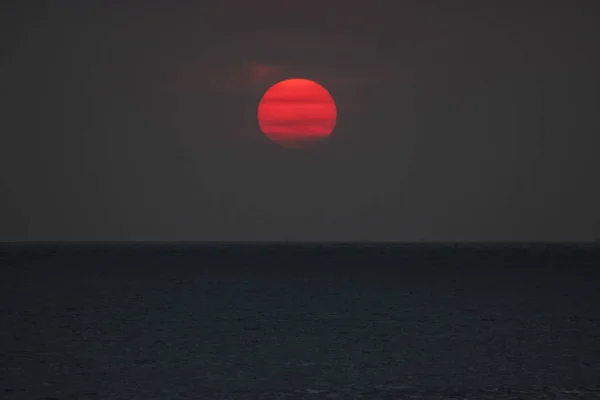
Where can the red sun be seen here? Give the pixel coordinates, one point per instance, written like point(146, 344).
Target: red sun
point(296, 113)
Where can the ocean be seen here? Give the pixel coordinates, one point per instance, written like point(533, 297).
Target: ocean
point(299, 320)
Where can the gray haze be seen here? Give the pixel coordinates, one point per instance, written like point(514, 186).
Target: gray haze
point(472, 123)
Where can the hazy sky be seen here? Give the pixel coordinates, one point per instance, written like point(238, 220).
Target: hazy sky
point(139, 123)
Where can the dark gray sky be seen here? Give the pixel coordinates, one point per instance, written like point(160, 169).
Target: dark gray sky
point(455, 122)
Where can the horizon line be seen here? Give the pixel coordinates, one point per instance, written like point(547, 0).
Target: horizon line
point(293, 242)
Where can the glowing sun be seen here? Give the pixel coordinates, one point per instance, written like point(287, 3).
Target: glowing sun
point(296, 113)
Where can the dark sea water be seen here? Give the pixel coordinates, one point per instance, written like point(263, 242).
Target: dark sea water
point(168, 321)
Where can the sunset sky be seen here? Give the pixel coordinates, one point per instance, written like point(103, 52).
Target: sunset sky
point(456, 121)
